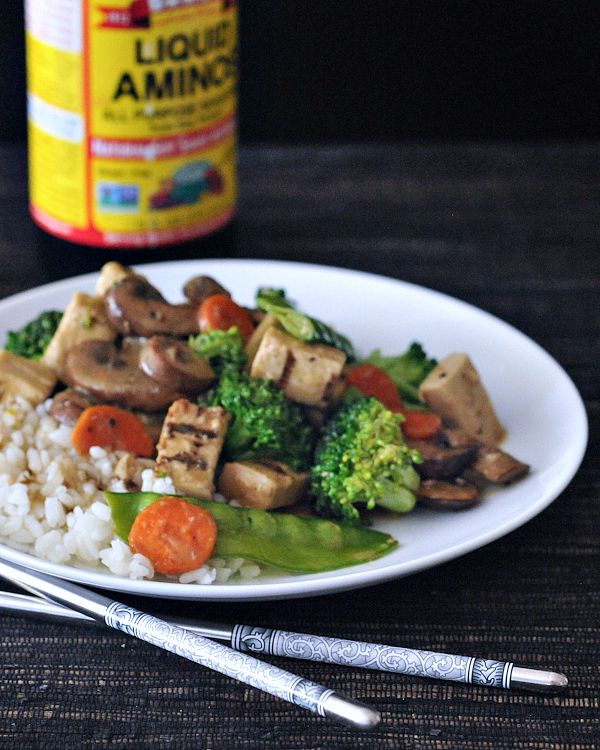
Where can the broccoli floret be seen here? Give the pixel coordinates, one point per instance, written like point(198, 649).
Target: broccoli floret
point(299, 325)
point(265, 423)
point(221, 348)
point(407, 370)
point(32, 340)
point(362, 458)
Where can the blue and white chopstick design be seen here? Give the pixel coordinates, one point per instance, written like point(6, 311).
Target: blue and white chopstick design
point(197, 648)
point(396, 659)
point(218, 657)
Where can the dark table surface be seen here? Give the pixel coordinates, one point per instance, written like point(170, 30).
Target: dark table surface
point(512, 229)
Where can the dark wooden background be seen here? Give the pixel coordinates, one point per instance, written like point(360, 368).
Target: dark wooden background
point(512, 229)
point(393, 69)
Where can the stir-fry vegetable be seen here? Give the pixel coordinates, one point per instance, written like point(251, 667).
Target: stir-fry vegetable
point(221, 348)
point(174, 534)
point(112, 428)
point(299, 325)
point(362, 458)
point(373, 381)
point(406, 370)
point(32, 340)
point(264, 422)
point(294, 543)
point(420, 425)
point(219, 312)
point(268, 415)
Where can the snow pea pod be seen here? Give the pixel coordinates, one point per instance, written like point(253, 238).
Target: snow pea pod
point(294, 543)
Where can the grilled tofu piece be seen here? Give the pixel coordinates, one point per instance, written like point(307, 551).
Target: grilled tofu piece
point(454, 390)
point(307, 373)
point(262, 484)
point(20, 376)
point(83, 319)
point(190, 444)
point(110, 274)
point(269, 321)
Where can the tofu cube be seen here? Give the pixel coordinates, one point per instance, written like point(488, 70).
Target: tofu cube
point(269, 321)
point(307, 373)
point(24, 377)
point(262, 484)
point(110, 274)
point(454, 390)
point(84, 318)
point(189, 447)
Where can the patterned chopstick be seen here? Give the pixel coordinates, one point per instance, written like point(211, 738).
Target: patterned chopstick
point(195, 647)
point(397, 659)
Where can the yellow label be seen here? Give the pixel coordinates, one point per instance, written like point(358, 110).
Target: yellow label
point(55, 74)
point(59, 167)
point(132, 109)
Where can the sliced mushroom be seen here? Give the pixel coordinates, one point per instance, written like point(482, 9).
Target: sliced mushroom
point(172, 363)
point(135, 306)
point(198, 288)
point(440, 462)
point(498, 466)
point(442, 495)
point(68, 405)
point(84, 318)
point(490, 463)
point(113, 374)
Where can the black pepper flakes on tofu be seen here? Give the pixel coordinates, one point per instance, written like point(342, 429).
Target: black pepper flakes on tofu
point(190, 445)
point(306, 373)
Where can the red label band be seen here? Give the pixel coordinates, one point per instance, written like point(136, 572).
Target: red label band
point(139, 13)
point(135, 17)
point(128, 240)
point(151, 149)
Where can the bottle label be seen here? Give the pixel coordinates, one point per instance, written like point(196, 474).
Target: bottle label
point(131, 110)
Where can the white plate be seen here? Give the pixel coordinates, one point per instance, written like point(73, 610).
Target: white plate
point(534, 397)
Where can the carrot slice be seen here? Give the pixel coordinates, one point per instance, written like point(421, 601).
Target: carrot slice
point(112, 428)
point(174, 535)
point(420, 425)
point(220, 312)
point(373, 381)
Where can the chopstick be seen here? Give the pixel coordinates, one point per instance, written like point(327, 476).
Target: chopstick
point(195, 647)
point(397, 659)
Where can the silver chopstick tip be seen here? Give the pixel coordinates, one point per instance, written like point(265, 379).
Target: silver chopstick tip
point(538, 680)
point(351, 712)
point(558, 681)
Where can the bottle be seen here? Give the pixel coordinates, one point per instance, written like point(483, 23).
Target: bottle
point(132, 119)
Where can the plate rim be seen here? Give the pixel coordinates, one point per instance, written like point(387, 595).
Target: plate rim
point(302, 585)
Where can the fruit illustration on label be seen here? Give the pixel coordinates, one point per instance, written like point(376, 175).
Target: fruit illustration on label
point(188, 185)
